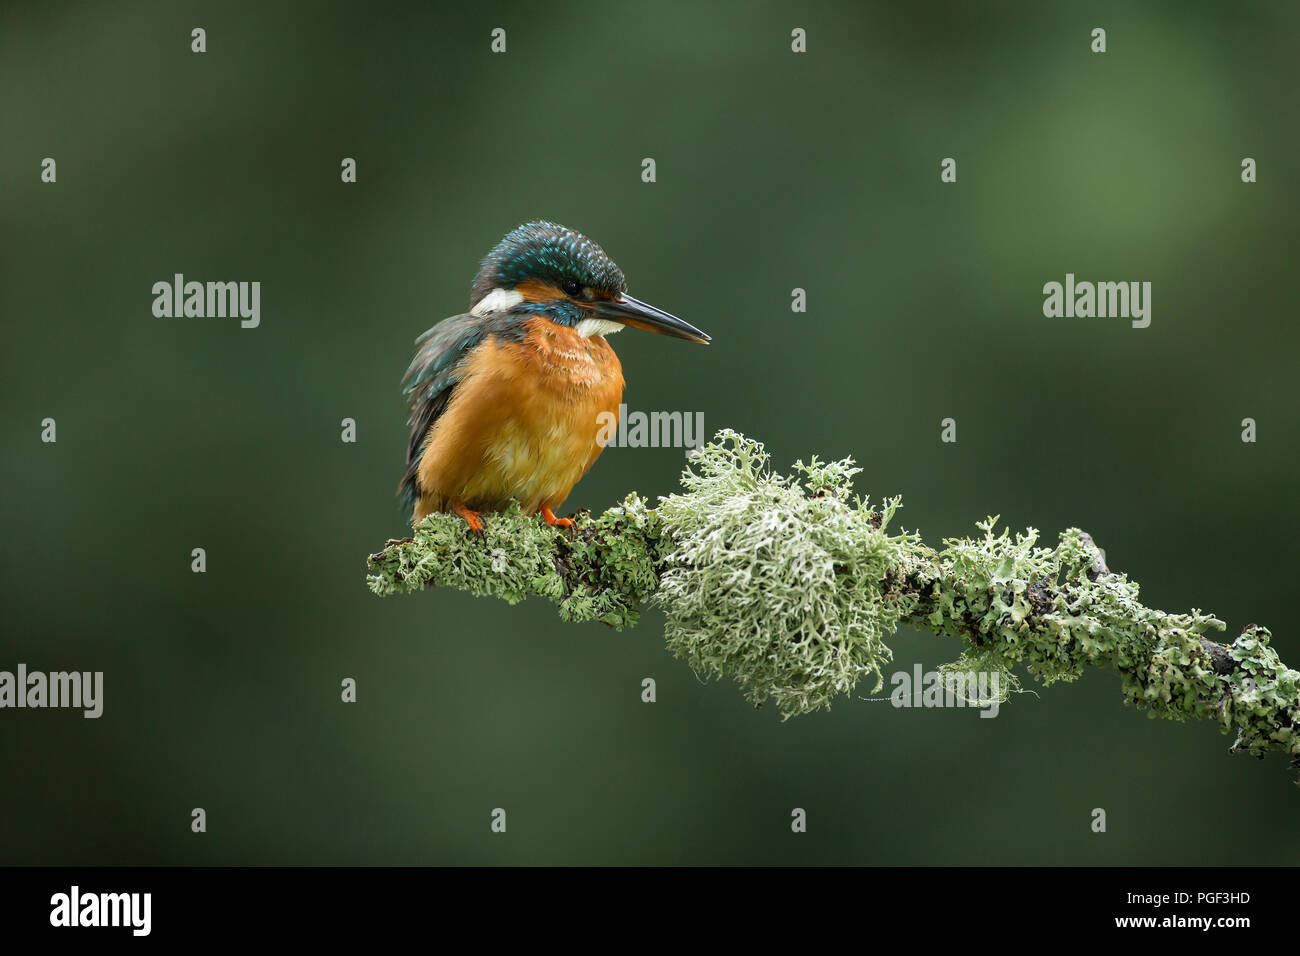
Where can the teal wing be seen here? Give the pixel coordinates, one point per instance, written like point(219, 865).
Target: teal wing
point(431, 381)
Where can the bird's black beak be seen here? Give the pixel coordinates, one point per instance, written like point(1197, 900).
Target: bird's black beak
point(642, 315)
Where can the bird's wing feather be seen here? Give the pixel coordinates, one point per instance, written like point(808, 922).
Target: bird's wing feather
point(430, 382)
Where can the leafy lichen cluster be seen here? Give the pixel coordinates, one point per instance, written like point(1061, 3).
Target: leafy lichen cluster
point(1058, 610)
point(601, 570)
point(791, 585)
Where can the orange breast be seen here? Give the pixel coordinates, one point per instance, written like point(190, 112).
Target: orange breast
point(523, 422)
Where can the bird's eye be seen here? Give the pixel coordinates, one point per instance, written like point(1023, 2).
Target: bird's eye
point(571, 287)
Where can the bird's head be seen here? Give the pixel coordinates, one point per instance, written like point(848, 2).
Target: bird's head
point(545, 269)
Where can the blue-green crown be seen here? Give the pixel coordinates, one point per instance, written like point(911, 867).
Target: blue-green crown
point(550, 252)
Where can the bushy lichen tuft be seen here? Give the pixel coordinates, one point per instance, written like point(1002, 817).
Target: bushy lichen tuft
point(957, 677)
point(777, 581)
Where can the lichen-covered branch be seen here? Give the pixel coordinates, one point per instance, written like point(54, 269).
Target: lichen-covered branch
point(791, 585)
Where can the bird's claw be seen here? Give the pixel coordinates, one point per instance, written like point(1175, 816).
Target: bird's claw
point(471, 518)
point(549, 517)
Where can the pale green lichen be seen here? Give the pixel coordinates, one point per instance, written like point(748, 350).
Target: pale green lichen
point(609, 564)
point(957, 677)
point(1053, 611)
point(1262, 700)
point(602, 569)
point(777, 582)
point(792, 586)
point(514, 557)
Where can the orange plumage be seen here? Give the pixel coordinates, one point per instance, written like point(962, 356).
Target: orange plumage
point(523, 422)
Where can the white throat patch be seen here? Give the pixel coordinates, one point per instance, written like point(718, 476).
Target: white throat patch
point(589, 327)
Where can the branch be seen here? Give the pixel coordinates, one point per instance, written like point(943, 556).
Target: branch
point(790, 586)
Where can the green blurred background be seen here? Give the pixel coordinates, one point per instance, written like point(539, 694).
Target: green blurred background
point(775, 171)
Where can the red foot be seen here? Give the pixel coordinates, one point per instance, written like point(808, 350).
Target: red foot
point(471, 517)
point(549, 517)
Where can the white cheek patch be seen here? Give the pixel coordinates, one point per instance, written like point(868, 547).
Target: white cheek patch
point(589, 327)
point(498, 300)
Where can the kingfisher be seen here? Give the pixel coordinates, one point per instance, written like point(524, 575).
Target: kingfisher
point(508, 399)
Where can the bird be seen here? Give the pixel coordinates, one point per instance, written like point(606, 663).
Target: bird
point(508, 400)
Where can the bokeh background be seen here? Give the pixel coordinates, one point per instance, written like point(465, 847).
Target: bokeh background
point(775, 171)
